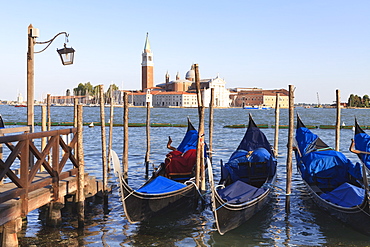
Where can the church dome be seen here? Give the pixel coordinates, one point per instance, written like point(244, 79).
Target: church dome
point(190, 75)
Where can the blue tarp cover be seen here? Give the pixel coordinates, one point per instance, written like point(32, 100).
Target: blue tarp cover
point(189, 142)
point(305, 139)
point(362, 143)
point(239, 192)
point(328, 168)
point(260, 155)
point(161, 185)
point(346, 195)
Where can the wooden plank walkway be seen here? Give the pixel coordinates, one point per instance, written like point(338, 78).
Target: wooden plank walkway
point(33, 174)
point(12, 209)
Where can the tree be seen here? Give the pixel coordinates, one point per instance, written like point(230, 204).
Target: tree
point(110, 91)
point(83, 89)
point(351, 100)
point(357, 101)
point(365, 100)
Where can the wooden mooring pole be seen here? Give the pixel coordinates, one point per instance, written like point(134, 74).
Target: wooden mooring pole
point(211, 111)
point(337, 125)
point(290, 148)
point(103, 139)
point(125, 136)
point(277, 116)
point(75, 106)
point(200, 177)
point(48, 105)
point(147, 154)
point(8, 233)
point(81, 169)
point(111, 119)
point(43, 128)
point(48, 119)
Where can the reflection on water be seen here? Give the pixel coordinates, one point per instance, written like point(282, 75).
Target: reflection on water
point(304, 225)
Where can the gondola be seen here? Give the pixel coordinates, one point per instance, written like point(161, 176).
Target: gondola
point(1, 122)
point(246, 181)
point(335, 184)
point(361, 145)
point(170, 189)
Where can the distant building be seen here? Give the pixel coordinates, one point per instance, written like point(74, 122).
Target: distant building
point(147, 65)
point(20, 99)
point(221, 97)
point(257, 97)
point(163, 99)
point(221, 93)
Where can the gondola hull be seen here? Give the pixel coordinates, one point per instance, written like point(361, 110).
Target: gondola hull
point(170, 189)
point(246, 181)
point(143, 206)
point(355, 217)
point(230, 216)
point(335, 184)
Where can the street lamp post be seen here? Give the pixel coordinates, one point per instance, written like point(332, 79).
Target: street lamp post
point(66, 55)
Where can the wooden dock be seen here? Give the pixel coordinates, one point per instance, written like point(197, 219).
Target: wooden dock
point(32, 176)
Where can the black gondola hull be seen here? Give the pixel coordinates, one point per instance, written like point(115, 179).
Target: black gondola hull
point(142, 206)
point(316, 162)
point(230, 216)
point(355, 217)
point(251, 167)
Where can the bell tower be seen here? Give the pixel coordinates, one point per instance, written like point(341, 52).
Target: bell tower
point(147, 65)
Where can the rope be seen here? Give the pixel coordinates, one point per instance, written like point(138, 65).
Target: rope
point(192, 182)
point(221, 206)
point(128, 195)
point(363, 210)
point(323, 149)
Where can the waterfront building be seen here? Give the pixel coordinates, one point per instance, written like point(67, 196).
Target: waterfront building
point(257, 97)
point(163, 99)
point(221, 93)
point(20, 99)
point(221, 97)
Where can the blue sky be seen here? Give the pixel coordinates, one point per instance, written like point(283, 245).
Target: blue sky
point(317, 46)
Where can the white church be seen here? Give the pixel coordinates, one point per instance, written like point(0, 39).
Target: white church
point(179, 92)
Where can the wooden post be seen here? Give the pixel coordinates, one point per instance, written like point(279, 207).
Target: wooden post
point(337, 125)
point(48, 120)
point(147, 154)
point(30, 78)
point(211, 104)
point(81, 169)
point(75, 112)
point(55, 163)
point(103, 139)
point(290, 144)
point(199, 176)
point(54, 214)
point(125, 136)
point(43, 128)
point(48, 103)
point(201, 151)
point(24, 166)
point(111, 119)
point(9, 231)
point(277, 113)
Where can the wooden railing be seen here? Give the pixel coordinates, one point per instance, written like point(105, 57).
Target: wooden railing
point(53, 158)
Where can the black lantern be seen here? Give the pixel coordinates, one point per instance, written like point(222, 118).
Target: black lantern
point(66, 55)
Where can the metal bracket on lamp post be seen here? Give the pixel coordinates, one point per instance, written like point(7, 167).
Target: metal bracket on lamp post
point(63, 53)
